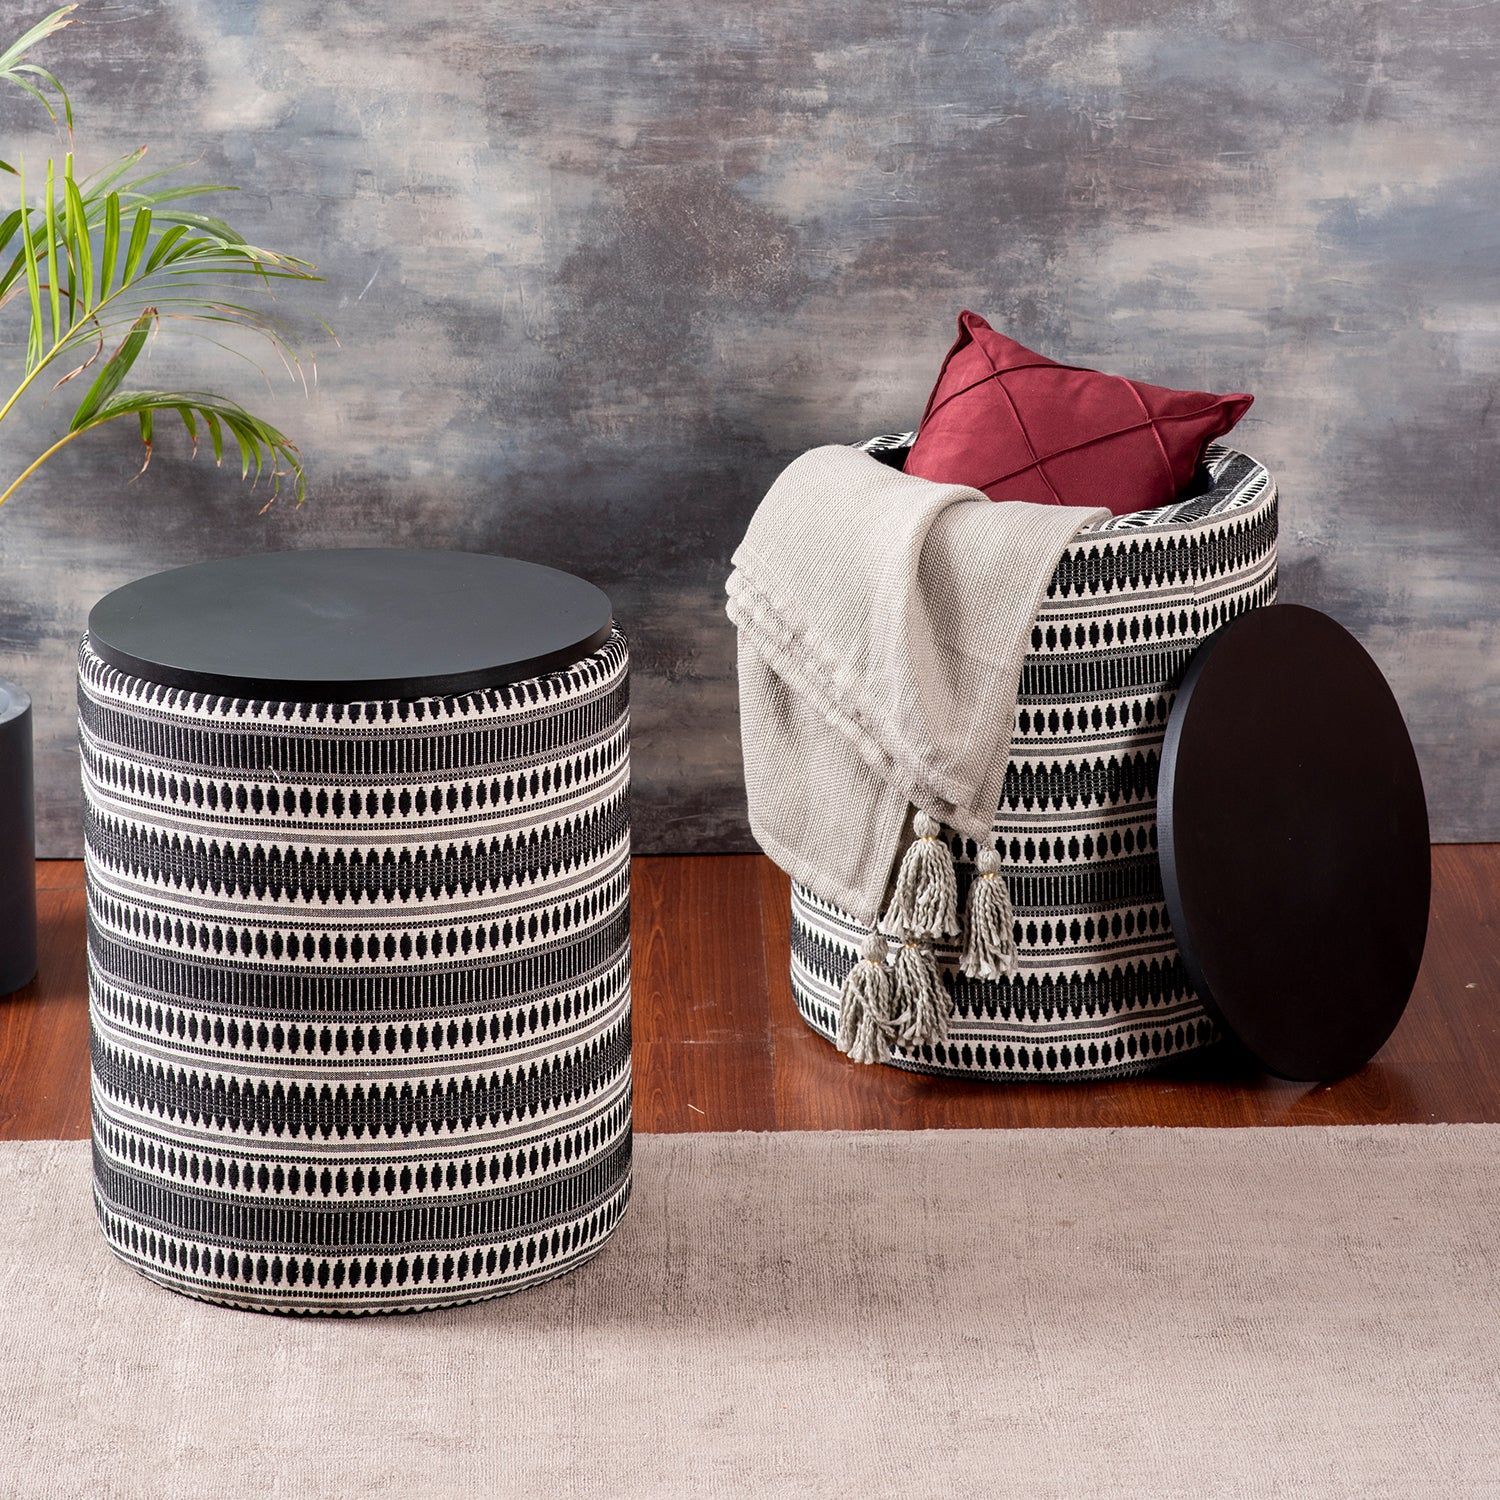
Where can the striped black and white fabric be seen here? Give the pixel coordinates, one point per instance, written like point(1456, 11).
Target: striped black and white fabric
point(359, 986)
point(1100, 989)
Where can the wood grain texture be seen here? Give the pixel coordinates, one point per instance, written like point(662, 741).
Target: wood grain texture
point(44, 1028)
point(700, 985)
point(719, 1044)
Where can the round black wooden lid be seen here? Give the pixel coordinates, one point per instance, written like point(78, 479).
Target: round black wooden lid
point(1294, 843)
point(347, 625)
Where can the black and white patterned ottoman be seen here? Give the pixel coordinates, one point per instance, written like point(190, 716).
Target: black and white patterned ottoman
point(1100, 988)
point(359, 970)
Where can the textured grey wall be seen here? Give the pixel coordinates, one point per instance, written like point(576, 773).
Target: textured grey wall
point(599, 269)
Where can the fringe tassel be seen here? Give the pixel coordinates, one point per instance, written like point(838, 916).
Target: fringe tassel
point(990, 943)
point(867, 1006)
point(903, 1001)
point(923, 1004)
point(925, 901)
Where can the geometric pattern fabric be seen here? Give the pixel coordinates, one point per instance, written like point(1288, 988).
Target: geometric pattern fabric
point(359, 986)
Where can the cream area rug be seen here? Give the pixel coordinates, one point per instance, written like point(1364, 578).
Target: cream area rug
point(1156, 1313)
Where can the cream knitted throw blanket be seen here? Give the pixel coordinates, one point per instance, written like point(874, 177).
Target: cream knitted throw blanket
point(883, 621)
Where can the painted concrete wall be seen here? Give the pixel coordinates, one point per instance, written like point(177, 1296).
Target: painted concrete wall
point(598, 270)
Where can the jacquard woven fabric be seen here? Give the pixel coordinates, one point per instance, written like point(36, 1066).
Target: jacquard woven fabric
point(359, 986)
point(1100, 987)
point(882, 621)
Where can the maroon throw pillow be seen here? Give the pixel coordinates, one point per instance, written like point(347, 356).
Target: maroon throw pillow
point(1020, 426)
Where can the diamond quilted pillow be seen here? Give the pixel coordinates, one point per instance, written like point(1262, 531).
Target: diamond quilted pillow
point(1020, 426)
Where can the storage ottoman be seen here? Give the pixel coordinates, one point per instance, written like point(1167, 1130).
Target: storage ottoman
point(357, 852)
point(1100, 987)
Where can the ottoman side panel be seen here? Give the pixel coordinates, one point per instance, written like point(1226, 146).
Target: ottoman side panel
point(359, 986)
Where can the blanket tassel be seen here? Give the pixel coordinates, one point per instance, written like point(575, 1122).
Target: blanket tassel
point(923, 1004)
point(867, 1006)
point(990, 942)
point(924, 903)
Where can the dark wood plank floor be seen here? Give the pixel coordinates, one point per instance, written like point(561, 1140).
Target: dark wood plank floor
point(719, 1045)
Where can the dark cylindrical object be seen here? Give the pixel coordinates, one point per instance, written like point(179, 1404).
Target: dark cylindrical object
point(17, 841)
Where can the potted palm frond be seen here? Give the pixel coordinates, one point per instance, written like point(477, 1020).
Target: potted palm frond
point(100, 262)
point(92, 266)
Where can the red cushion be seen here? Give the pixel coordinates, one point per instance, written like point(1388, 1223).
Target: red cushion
point(1020, 426)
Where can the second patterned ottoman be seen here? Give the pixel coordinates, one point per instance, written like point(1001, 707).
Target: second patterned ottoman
point(357, 851)
point(1100, 988)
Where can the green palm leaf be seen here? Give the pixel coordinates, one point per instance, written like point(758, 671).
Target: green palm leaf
point(114, 371)
point(21, 74)
point(118, 254)
point(265, 451)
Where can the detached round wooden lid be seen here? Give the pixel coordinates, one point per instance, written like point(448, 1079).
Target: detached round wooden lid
point(349, 625)
point(1294, 842)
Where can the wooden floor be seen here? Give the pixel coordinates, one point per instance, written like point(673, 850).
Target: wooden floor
point(719, 1045)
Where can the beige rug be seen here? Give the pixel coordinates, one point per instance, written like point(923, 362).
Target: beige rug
point(1286, 1312)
